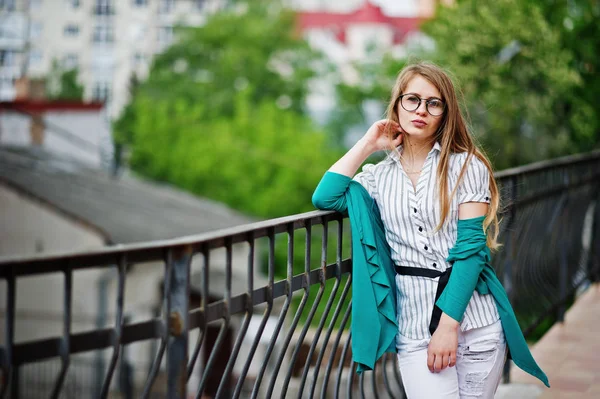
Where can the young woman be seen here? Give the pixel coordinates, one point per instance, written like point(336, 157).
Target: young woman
point(438, 202)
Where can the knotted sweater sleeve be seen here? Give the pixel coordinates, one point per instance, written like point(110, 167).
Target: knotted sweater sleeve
point(469, 256)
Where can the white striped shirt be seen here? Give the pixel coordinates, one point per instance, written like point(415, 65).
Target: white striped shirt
point(410, 216)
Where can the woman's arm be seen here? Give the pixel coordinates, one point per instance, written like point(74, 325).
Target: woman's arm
point(374, 140)
point(329, 194)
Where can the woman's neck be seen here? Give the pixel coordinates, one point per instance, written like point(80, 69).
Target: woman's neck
point(415, 151)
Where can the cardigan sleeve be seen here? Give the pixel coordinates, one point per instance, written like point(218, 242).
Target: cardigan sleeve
point(469, 256)
point(330, 193)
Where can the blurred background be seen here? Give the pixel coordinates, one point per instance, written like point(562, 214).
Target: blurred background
point(130, 121)
point(198, 93)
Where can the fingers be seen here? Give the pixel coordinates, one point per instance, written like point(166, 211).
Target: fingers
point(438, 362)
point(430, 361)
point(452, 360)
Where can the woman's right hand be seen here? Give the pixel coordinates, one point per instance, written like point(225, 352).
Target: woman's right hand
point(376, 138)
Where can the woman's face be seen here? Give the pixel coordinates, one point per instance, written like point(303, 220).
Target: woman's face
point(419, 123)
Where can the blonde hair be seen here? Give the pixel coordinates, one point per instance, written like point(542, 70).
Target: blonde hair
point(454, 137)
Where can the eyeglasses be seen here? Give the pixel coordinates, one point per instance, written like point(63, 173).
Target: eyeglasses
point(411, 102)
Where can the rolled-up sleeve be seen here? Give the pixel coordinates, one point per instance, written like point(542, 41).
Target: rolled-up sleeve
point(366, 178)
point(475, 184)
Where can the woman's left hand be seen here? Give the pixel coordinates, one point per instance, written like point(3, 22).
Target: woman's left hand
point(441, 352)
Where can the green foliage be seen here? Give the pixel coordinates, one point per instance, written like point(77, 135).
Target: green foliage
point(222, 114)
point(527, 70)
point(375, 84)
point(516, 76)
point(263, 160)
point(63, 85)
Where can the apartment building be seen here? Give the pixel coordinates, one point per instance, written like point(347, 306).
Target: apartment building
point(107, 40)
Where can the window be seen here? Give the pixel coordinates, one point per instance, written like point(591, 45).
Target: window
point(104, 7)
point(7, 5)
point(166, 6)
point(35, 29)
point(199, 4)
point(70, 61)
point(8, 58)
point(71, 30)
point(140, 3)
point(103, 33)
point(74, 3)
point(101, 91)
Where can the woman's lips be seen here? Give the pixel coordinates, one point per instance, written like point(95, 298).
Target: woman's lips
point(419, 123)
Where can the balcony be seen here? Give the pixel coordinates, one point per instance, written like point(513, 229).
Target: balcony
point(229, 334)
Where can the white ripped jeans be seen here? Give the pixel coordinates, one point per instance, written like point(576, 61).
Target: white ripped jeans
point(480, 360)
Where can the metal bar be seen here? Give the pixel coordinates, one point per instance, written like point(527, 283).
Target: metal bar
point(266, 314)
point(311, 314)
point(224, 385)
point(154, 251)
point(508, 274)
point(397, 377)
point(343, 359)
point(9, 328)
point(334, 350)
point(374, 380)
point(204, 298)
point(165, 335)
point(118, 331)
point(340, 232)
point(225, 315)
point(288, 337)
point(154, 328)
point(177, 311)
point(386, 382)
point(65, 342)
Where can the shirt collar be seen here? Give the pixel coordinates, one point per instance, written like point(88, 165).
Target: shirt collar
point(393, 155)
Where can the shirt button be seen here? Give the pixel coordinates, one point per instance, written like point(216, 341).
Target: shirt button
point(420, 228)
point(434, 264)
point(415, 210)
point(487, 198)
point(426, 247)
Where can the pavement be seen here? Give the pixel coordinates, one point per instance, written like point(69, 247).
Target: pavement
point(569, 353)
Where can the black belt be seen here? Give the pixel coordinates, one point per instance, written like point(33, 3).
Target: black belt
point(421, 272)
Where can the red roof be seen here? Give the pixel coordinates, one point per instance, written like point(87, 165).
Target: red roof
point(49, 106)
point(367, 14)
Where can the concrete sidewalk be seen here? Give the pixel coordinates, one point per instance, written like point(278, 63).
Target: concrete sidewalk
point(569, 353)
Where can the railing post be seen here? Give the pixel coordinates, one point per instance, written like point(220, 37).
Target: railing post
point(563, 271)
point(14, 383)
point(510, 249)
point(593, 266)
point(177, 349)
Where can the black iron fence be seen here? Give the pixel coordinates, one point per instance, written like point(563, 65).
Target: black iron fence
point(289, 337)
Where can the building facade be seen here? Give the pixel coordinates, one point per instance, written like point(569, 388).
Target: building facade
point(107, 40)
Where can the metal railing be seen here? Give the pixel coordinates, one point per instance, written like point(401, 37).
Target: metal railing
point(289, 337)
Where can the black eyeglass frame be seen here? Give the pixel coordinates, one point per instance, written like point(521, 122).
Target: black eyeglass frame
point(419, 104)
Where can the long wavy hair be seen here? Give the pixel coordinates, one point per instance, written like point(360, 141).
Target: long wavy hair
point(453, 136)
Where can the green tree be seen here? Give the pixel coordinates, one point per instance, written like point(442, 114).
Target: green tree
point(526, 76)
point(577, 22)
point(515, 74)
point(262, 160)
point(63, 85)
point(222, 113)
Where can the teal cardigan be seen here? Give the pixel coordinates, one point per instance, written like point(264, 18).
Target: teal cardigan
point(374, 289)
